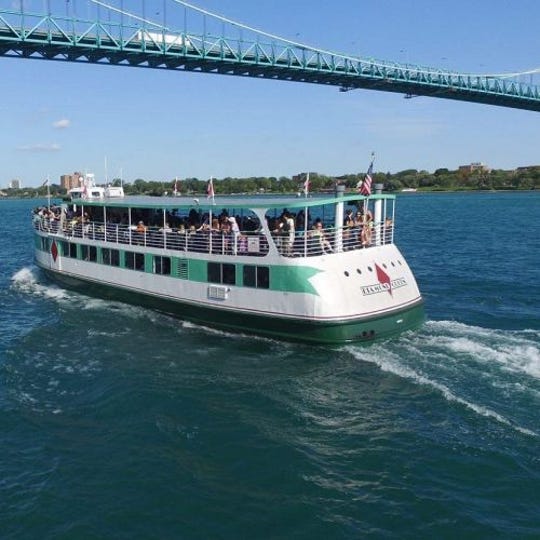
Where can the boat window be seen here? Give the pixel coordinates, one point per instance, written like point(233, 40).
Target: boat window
point(63, 245)
point(89, 253)
point(256, 276)
point(135, 261)
point(214, 272)
point(222, 273)
point(229, 274)
point(110, 256)
point(162, 265)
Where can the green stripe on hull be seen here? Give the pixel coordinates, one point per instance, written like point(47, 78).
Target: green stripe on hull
point(324, 332)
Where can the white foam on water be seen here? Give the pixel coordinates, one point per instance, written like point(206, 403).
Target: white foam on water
point(513, 351)
point(26, 281)
point(390, 362)
point(225, 333)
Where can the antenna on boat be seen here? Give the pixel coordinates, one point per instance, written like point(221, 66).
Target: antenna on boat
point(106, 173)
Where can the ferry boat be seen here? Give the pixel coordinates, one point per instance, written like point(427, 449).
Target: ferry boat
point(319, 269)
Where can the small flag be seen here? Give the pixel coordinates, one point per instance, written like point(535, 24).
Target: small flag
point(364, 187)
point(306, 185)
point(210, 188)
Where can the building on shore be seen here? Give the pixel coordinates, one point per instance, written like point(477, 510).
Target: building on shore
point(70, 181)
point(476, 166)
point(15, 184)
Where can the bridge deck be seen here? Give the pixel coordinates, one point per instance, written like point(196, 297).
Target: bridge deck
point(46, 37)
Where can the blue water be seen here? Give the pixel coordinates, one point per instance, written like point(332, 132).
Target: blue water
point(117, 422)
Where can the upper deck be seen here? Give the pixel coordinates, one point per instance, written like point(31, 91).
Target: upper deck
point(229, 226)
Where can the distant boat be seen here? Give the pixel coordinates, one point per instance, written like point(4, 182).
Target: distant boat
point(408, 190)
point(89, 190)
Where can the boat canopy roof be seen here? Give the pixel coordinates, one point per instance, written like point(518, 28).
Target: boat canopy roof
point(258, 201)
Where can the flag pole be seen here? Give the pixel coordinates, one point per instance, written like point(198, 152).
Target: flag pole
point(368, 175)
point(48, 193)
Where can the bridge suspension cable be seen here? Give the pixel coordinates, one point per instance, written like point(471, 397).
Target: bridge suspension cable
point(303, 46)
point(128, 13)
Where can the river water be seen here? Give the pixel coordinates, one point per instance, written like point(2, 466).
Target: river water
point(118, 422)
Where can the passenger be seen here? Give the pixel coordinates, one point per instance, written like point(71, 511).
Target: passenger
point(388, 230)
point(318, 235)
point(235, 234)
point(367, 229)
point(275, 225)
point(288, 227)
point(348, 225)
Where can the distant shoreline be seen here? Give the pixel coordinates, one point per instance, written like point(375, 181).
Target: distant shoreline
point(40, 196)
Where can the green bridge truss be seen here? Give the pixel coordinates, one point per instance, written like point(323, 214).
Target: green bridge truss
point(112, 35)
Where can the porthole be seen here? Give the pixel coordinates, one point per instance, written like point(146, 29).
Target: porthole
point(358, 270)
point(392, 263)
point(346, 273)
point(399, 262)
point(370, 269)
point(384, 265)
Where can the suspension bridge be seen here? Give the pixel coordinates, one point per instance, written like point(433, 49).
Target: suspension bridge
point(184, 37)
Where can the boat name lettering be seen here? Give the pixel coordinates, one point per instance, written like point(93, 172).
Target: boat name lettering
point(382, 287)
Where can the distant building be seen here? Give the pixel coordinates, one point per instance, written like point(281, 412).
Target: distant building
point(476, 166)
point(70, 181)
point(15, 184)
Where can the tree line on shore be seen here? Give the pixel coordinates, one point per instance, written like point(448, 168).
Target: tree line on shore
point(523, 178)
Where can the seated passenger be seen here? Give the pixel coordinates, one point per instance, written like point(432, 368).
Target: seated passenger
point(321, 243)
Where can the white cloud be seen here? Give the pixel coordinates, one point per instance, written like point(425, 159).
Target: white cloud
point(39, 147)
point(62, 124)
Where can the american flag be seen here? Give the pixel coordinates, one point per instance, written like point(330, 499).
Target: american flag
point(364, 187)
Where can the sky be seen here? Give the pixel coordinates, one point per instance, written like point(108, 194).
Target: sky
point(61, 117)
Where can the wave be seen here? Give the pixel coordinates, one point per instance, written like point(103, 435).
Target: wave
point(493, 373)
point(26, 280)
point(514, 350)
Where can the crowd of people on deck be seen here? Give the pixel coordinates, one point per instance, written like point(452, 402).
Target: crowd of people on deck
point(357, 231)
point(218, 233)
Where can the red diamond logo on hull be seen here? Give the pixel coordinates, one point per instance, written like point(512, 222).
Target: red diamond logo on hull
point(384, 278)
point(54, 250)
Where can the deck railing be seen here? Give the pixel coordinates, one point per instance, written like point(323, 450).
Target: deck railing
point(313, 242)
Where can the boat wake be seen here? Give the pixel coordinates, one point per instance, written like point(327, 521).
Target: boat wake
point(27, 280)
point(494, 373)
